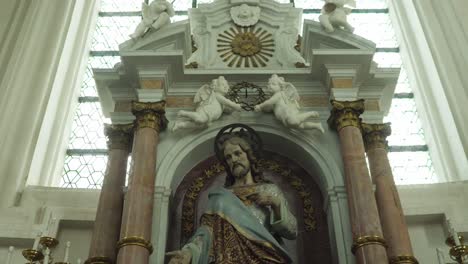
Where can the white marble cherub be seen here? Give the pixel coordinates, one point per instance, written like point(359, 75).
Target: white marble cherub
point(155, 16)
point(285, 104)
point(334, 15)
point(245, 15)
point(210, 104)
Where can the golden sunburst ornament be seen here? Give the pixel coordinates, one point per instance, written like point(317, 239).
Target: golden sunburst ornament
point(246, 47)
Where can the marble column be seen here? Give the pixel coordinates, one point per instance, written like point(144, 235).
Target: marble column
point(368, 243)
point(109, 212)
point(135, 235)
point(388, 201)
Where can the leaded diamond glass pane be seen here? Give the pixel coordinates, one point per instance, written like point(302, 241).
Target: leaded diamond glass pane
point(403, 85)
point(112, 31)
point(181, 5)
point(120, 5)
point(88, 87)
point(179, 18)
point(374, 27)
point(388, 59)
point(412, 168)
point(406, 125)
point(361, 4)
point(84, 171)
point(88, 127)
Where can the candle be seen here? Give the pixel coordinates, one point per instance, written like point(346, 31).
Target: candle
point(10, 254)
point(440, 256)
point(46, 256)
point(36, 240)
point(453, 233)
point(51, 228)
point(67, 249)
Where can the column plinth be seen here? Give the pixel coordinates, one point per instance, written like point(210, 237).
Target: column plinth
point(392, 218)
point(109, 212)
point(368, 243)
point(135, 236)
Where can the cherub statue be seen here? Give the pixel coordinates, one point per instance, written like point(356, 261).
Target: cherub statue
point(155, 16)
point(334, 15)
point(210, 105)
point(245, 15)
point(285, 104)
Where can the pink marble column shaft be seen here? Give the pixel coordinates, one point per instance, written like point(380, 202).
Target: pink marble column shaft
point(109, 212)
point(135, 236)
point(392, 218)
point(369, 245)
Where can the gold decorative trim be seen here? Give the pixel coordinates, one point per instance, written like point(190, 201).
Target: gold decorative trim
point(403, 260)
point(119, 136)
point(150, 115)
point(32, 255)
point(346, 113)
point(193, 192)
point(375, 135)
point(98, 260)
point(367, 240)
point(49, 242)
point(135, 241)
point(245, 46)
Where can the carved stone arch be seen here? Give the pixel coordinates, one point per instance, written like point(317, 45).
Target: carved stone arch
point(321, 160)
point(303, 194)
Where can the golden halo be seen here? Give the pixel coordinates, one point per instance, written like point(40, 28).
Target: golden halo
point(246, 47)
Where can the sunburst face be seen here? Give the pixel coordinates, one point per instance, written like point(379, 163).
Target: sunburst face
point(246, 47)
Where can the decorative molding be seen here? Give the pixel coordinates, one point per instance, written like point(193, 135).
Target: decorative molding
point(403, 260)
point(363, 241)
point(135, 241)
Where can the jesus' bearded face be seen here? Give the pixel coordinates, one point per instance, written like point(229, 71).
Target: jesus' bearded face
point(237, 160)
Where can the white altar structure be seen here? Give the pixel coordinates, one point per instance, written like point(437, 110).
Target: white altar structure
point(244, 41)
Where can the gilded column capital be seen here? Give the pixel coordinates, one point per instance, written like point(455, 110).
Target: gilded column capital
point(346, 113)
point(375, 135)
point(119, 136)
point(151, 114)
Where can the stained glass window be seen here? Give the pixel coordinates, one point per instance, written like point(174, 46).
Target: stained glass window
point(86, 158)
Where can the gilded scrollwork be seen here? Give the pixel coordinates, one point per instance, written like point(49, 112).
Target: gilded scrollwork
point(375, 135)
point(346, 113)
point(193, 192)
point(151, 115)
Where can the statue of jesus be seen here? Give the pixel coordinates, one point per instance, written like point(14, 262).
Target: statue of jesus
point(246, 220)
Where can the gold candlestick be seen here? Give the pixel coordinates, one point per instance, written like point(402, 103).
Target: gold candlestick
point(32, 255)
point(48, 242)
point(457, 252)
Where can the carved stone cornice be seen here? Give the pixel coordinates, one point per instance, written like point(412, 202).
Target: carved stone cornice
point(375, 135)
point(346, 113)
point(119, 136)
point(151, 115)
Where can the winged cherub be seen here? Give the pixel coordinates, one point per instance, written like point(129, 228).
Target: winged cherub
point(210, 103)
point(334, 15)
point(155, 16)
point(285, 104)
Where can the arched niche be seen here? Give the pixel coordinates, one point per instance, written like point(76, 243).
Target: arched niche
point(315, 153)
point(303, 194)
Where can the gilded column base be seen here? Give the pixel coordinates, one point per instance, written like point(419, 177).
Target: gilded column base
point(135, 241)
point(367, 240)
point(403, 260)
point(98, 260)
